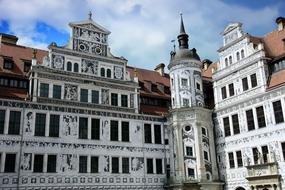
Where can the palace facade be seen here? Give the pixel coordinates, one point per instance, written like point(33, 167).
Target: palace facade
point(78, 117)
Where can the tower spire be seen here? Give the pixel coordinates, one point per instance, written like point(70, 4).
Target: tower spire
point(182, 29)
point(182, 37)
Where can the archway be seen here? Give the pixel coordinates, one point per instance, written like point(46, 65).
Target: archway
point(240, 188)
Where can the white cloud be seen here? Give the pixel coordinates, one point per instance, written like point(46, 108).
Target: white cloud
point(141, 29)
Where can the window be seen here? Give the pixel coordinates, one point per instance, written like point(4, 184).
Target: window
point(283, 149)
point(239, 159)
point(83, 128)
point(206, 155)
point(238, 56)
point(189, 151)
point(114, 99)
point(277, 107)
point(38, 163)
point(242, 54)
point(253, 80)
point(109, 73)
point(124, 100)
point(95, 129)
point(204, 131)
point(244, 84)
point(226, 62)
point(3, 82)
point(94, 164)
point(250, 120)
point(10, 162)
point(54, 126)
point(14, 123)
point(149, 165)
point(69, 66)
point(224, 92)
point(191, 172)
point(255, 155)
point(235, 124)
point(56, 91)
point(125, 166)
point(27, 66)
point(230, 60)
point(157, 134)
point(147, 133)
point(231, 160)
point(198, 86)
point(231, 89)
point(13, 83)
point(260, 117)
point(8, 64)
point(264, 150)
point(102, 72)
point(23, 84)
point(153, 88)
point(114, 131)
point(125, 131)
point(115, 165)
point(2, 121)
point(158, 166)
point(227, 128)
point(95, 97)
point(44, 88)
point(184, 82)
point(40, 125)
point(51, 163)
point(185, 102)
point(75, 67)
point(84, 95)
point(82, 164)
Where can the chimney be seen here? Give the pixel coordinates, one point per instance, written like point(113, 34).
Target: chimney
point(160, 69)
point(280, 21)
point(7, 38)
point(34, 57)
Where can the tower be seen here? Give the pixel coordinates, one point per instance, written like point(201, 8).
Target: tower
point(192, 159)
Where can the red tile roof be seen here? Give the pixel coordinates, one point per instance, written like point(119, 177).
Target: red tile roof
point(18, 54)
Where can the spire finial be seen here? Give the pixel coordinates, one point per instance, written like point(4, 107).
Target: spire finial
point(182, 29)
point(90, 15)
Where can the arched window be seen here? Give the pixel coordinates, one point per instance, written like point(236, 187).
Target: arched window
point(240, 188)
point(69, 66)
point(109, 73)
point(75, 67)
point(242, 54)
point(226, 62)
point(238, 56)
point(230, 59)
point(102, 71)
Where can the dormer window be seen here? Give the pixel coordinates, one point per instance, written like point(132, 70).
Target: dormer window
point(242, 54)
point(8, 63)
point(102, 72)
point(109, 73)
point(226, 62)
point(75, 67)
point(153, 88)
point(27, 66)
point(238, 56)
point(230, 60)
point(69, 66)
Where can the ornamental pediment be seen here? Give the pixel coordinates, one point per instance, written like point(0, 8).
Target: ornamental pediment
point(91, 26)
point(230, 27)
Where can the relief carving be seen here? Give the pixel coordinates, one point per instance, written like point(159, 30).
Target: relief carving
point(70, 92)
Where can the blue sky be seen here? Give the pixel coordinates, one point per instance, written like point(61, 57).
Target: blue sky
point(142, 30)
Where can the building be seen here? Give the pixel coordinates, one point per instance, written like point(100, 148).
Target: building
point(249, 108)
point(70, 117)
point(78, 117)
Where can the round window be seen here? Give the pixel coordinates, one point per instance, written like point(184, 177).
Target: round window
point(187, 128)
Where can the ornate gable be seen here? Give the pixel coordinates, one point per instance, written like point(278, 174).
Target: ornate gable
point(89, 37)
point(232, 32)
